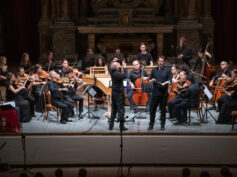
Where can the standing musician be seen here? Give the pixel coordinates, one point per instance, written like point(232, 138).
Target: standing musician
point(181, 83)
point(3, 76)
point(182, 51)
point(133, 75)
point(144, 55)
point(50, 65)
point(118, 55)
point(229, 85)
point(38, 85)
point(88, 60)
point(189, 99)
point(58, 98)
point(117, 94)
point(159, 93)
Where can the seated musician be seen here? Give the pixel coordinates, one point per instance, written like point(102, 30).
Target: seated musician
point(50, 65)
point(144, 55)
point(21, 75)
point(189, 99)
point(181, 83)
point(133, 75)
point(38, 85)
point(223, 74)
point(58, 99)
point(25, 103)
point(229, 106)
point(3, 76)
point(88, 60)
point(66, 69)
point(228, 88)
point(72, 92)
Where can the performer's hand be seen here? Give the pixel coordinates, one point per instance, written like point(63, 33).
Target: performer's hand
point(132, 86)
point(145, 78)
point(211, 83)
point(152, 80)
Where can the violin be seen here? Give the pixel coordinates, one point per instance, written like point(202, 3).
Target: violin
point(44, 75)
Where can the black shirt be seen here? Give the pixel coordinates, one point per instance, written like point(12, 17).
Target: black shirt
point(191, 95)
point(134, 75)
point(55, 94)
point(147, 57)
point(226, 72)
point(161, 75)
point(186, 52)
point(117, 80)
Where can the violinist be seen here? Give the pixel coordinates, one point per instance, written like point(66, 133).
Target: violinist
point(133, 75)
point(189, 99)
point(3, 76)
point(25, 103)
point(58, 98)
point(228, 88)
point(159, 93)
point(26, 63)
point(181, 83)
point(66, 69)
point(229, 104)
point(72, 92)
point(50, 64)
point(23, 77)
point(38, 86)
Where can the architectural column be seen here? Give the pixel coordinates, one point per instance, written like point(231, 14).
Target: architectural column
point(91, 41)
point(206, 8)
point(44, 10)
point(159, 40)
point(83, 7)
point(169, 6)
point(65, 10)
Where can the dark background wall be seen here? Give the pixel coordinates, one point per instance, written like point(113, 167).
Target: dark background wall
point(20, 19)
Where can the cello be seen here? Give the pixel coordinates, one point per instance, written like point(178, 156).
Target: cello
point(218, 92)
point(139, 97)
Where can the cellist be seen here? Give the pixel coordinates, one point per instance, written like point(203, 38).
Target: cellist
point(223, 74)
point(133, 75)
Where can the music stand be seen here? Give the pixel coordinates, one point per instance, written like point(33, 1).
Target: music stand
point(208, 96)
point(90, 92)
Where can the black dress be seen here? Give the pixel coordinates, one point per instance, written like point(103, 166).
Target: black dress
point(3, 73)
point(22, 104)
point(37, 92)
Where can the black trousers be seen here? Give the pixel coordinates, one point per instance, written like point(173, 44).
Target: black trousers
point(181, 109)
point(66, 105)
point(155, 101)
point(171, 106)
point(226, 109)
point(222, 100)
point(117, 107)
point(80, 99)
point(31, 99)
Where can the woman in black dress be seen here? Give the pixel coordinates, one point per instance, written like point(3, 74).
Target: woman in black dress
point(25, 63)
point(3, 76)
point(16, 92)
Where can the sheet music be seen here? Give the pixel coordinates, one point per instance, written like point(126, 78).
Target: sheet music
point(207, 92)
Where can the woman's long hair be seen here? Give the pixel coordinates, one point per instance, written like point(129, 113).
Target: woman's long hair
point(23, 62)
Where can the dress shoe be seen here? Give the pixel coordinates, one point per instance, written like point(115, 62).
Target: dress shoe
point(124, 129)
point(68, 120)
point(179, 123)
point(162, 127)
point(150, 128)
point(63, 121)
point(111, 126)
point(80, 116)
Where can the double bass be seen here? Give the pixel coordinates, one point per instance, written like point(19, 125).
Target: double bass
point(140, 97)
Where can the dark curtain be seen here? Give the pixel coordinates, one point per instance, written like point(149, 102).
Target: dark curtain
point(225, 16)
point(21, 18)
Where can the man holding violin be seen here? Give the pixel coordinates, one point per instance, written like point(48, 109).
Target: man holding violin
point(133, 76)
point(57, 97)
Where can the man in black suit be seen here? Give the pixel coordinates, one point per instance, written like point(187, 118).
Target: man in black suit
point(183, 52)
point(159, 74)
point(117, 94)
point(189, 99)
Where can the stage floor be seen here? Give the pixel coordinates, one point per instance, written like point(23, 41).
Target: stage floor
point(139, 126)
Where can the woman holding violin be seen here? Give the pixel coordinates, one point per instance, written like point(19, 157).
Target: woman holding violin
point(40, 80)
point(135, 95)
point(24, 102)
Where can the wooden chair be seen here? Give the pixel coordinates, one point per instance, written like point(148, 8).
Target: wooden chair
point(48, 106)
point(234, 116)
point(198, 110)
